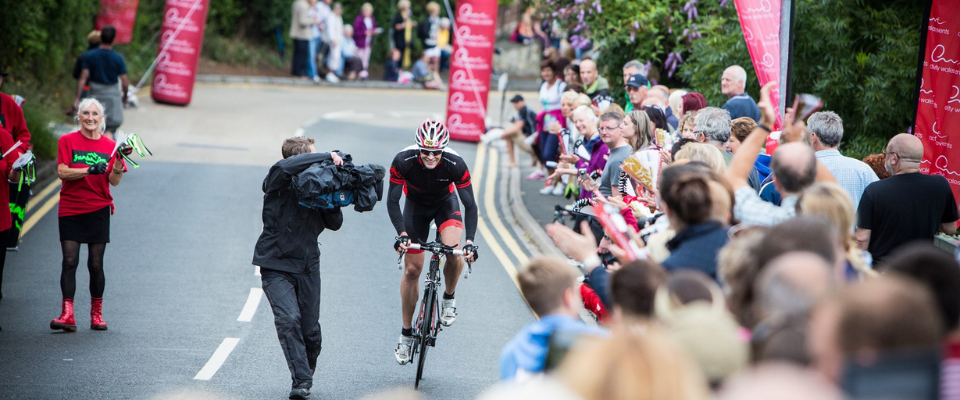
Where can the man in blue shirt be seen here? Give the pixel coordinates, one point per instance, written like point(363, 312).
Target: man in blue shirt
point(107, 73)
point(733, 84)
point(852, 174)
point(549, 284)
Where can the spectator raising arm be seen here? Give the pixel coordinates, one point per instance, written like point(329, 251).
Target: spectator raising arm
point(738, 172)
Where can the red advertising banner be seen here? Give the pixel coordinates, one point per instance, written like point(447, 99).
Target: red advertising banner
point(760, 20)
point(121, 14)
point(470, 68)
point(180, 41)
point(938, 114)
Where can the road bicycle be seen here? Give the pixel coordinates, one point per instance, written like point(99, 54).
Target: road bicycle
point(428, 320)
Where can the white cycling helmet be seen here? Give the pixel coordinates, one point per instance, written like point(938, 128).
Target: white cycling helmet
point(432, 135)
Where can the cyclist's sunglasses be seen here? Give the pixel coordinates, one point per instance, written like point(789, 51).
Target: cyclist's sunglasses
point(435, 153)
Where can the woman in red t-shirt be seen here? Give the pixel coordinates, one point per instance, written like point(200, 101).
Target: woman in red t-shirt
point(85, 166)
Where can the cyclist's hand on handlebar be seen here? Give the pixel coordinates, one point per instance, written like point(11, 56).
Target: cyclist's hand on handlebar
point(470, 253)
point(402, 243)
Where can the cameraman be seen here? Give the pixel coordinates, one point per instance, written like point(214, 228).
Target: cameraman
point(288, 254)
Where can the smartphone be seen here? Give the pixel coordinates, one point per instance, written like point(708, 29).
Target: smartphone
point(583, 173)
point(615, 227)
point(558, 345)
point(548, 121)
point(806, 105)
point(905, 374)
point(563, 144)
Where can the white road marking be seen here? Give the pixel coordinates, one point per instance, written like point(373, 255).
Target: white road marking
point(348, 114)
point(298, 132)
point(216, 360)
point(250, 308)
point(404, 114)
point(256, 270)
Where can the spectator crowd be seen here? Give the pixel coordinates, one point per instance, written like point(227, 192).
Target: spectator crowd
point(721, 258)
point(327, 48)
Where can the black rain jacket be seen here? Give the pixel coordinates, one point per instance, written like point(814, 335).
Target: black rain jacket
point(289, 241)
point(364, 181)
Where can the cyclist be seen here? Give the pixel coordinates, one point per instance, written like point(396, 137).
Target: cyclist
point(429, 173)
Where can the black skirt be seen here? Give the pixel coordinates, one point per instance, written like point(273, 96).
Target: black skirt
point(93, 227)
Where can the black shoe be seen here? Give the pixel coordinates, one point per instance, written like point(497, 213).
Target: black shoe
point(299, 393)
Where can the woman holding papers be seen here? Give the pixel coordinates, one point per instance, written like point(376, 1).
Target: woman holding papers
point(88, 163)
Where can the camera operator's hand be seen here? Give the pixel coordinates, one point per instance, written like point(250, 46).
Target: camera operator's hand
point(336, 158)
point(470, 253)
point(402, 243)
point(97, 169)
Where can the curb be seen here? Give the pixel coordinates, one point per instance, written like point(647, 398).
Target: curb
point(519, 84)
point(518, 209)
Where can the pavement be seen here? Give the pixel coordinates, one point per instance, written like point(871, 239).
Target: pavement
point(183, 302)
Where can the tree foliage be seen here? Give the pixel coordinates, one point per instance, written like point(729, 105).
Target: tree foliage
point(859, 56)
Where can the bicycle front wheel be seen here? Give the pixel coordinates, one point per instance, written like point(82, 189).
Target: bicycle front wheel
point(426, 323)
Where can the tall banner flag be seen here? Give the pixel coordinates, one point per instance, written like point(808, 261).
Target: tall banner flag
point(470, 68)
point(181, 39)
point(119, 13)
point(938, 113)
point(760, 20)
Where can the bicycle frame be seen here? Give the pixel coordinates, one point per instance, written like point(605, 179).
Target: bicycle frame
point(428, 320)
point(431, 289)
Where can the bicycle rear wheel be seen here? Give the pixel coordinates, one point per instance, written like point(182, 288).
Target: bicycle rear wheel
point(426, 323)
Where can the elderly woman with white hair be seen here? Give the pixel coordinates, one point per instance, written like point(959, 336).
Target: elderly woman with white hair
point(87, 165)
point(586, 123)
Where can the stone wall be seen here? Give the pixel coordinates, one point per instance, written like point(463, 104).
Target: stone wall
point(517, 60)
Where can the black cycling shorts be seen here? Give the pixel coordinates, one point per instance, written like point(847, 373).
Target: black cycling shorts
point(417, 217)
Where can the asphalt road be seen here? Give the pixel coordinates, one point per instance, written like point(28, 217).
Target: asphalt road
point(179, 275)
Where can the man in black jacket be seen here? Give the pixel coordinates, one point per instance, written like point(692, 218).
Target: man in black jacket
point(289, 258)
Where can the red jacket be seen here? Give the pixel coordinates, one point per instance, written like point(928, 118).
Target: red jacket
point(11, 118)
point(6, 164)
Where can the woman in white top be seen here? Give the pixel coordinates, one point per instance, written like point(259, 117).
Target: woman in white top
point(333, 31)
point(552, 86)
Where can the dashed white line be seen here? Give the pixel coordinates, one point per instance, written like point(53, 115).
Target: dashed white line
point(250, 308)
point(216, 360)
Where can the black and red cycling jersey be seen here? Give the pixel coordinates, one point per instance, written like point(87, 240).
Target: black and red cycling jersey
point(429, 187)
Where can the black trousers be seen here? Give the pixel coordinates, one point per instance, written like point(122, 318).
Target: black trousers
point(301, 53)
point(295, 300)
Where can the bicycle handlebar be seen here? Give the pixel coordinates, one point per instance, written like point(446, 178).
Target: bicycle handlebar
point(435, 248)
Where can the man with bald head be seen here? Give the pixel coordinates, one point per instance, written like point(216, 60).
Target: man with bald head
point(907, 206)
point(733, 84)
point(794, 165)
point(594, 85)
point(786, 290)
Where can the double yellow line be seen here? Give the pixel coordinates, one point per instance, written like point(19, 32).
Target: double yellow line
point(488, 168)
point(44, 209)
